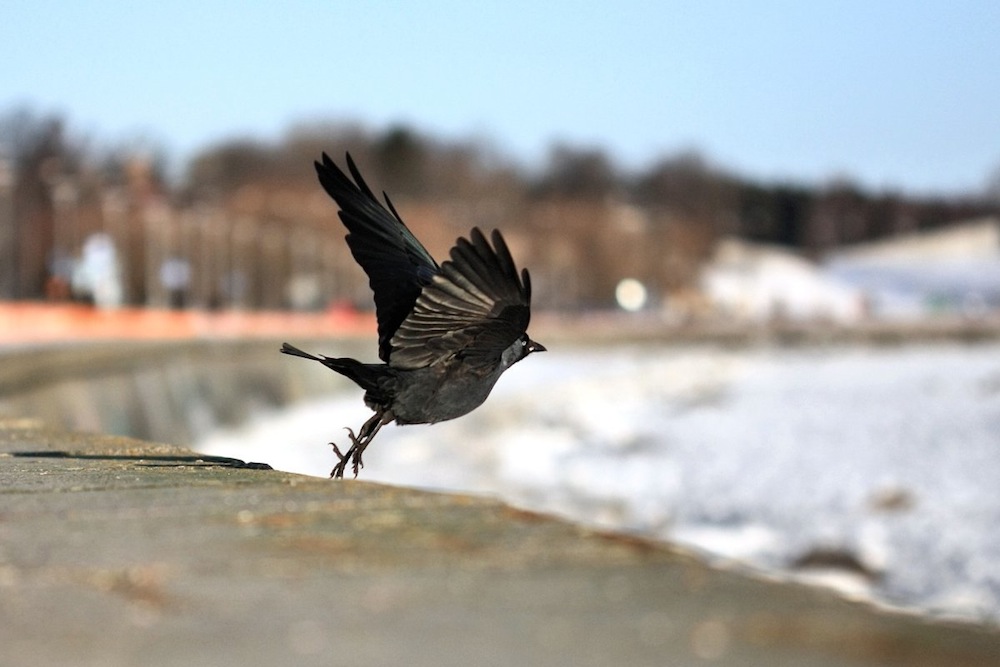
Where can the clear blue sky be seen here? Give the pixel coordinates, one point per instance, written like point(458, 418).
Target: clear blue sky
point(901, 94)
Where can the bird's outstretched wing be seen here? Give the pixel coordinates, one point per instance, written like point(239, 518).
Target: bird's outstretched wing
point(397, 264)
point(474, 308)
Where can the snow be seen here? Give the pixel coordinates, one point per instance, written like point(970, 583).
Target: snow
point(756, 456)
point(759, 282)
point(954, 269)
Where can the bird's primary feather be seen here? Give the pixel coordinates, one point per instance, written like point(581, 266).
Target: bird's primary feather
point(397, 264)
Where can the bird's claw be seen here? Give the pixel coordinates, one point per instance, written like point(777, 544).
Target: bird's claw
point(353, 455)
point(338, 470)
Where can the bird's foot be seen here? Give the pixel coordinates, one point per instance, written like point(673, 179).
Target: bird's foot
point(353, 455)
point(338, 470)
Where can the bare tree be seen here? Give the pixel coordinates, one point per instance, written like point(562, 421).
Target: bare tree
point(39, 158)
point(577, 173)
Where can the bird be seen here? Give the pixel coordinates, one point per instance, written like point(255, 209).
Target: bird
point(446, 332)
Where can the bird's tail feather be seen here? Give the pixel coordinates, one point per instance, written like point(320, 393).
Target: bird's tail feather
point(296, 352)
point(366, 376)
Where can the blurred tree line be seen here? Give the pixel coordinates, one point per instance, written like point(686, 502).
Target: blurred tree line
point(247, 225)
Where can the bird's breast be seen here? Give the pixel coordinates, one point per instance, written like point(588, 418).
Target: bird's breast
point(433, 395)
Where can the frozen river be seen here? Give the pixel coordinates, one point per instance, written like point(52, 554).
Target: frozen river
point(876, 469)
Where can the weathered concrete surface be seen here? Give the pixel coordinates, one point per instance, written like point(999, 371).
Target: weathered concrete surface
point(120, 552)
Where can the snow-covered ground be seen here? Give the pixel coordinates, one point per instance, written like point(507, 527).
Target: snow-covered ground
point(884, 461)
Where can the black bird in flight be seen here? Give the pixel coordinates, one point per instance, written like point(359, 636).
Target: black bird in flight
point(445, 332)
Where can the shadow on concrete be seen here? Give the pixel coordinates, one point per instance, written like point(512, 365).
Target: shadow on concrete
point(149, 461)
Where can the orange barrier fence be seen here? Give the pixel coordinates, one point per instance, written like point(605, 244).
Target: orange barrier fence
point(29, 322)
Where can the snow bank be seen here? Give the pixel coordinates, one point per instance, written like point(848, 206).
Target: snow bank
point(874, 467)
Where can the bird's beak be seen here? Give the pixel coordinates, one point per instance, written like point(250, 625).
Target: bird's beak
point(535, 347)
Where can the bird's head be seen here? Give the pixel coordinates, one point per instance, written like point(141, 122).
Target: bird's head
point(518, 350)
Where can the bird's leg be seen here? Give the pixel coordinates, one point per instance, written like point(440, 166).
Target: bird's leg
point(365, 436)
point(358, 444)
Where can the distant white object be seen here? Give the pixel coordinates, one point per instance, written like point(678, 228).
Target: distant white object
point(175, 273)
point(631, 295)
point(759, 282)
point(97, 273)
point(304, 291)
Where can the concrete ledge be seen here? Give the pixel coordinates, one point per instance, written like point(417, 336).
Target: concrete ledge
point(115, 551)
